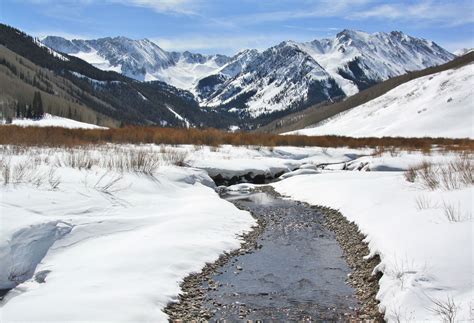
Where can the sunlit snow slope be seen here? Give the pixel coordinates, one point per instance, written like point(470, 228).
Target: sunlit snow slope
point(438, 105)
point(54, 121)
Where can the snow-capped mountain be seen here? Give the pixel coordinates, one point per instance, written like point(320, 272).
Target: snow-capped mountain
point(276, 79)
point(463, 51)
point(140, 59)
point(294, 74)
point(437, 105)
point(287, 76)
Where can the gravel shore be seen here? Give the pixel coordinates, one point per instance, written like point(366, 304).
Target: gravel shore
point(189, 305)
point(355, 249)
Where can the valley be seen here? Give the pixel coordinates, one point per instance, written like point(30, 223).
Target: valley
point(236, 161)
point(246, 91)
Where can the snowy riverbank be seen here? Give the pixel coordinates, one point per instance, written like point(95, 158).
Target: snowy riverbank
point(423, 236)
point(105, 245)
point(109, 232)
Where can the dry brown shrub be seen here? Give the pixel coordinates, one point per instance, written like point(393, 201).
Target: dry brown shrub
point(61, 137)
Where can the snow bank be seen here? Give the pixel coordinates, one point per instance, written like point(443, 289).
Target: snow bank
point(438, 105)
point(54, 121)
point(424, 256)
point(231, 161)
point(108, 247)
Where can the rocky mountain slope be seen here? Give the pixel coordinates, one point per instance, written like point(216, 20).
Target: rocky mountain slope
point(142, 59)
point(292, 75)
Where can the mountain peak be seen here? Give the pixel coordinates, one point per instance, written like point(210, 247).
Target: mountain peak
point(352, 33)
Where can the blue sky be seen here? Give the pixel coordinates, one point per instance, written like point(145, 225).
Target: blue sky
point(227, 26)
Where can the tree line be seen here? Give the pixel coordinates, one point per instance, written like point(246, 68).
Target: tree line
point(34, 110)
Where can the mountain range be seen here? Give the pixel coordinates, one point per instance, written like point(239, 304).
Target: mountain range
point(288, 76)
point(137, 82)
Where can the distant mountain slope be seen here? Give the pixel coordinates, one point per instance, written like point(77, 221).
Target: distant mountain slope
point(437, 105)
point(463, 51)
point(141, 59)
point(20, 79)
point(106, 92)
point(293, 75)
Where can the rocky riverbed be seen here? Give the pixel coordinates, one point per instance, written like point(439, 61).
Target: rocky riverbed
point(290, 267)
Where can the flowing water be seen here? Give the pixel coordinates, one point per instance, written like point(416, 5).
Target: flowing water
point(296, 271)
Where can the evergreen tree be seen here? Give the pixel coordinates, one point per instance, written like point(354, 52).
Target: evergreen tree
point(37, 111)
point(28, 113)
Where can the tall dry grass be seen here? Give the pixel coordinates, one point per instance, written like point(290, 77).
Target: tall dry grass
point(38, 165)
point(451, 175)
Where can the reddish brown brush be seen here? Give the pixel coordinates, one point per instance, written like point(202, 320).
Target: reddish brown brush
point(61, 137)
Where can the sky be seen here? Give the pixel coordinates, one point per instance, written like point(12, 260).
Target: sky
point(227, 26)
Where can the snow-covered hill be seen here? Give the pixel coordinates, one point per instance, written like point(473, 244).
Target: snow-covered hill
point(287, 76)
point(55, 121)
point(438, 105)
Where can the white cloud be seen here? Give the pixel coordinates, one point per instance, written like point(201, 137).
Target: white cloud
point(167, 6)
point(220, 43)
point(308, 9)
point(428, 11)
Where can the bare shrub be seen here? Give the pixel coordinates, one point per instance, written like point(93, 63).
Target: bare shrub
point(394, 151)
point(452, 175)
point(175, 157)
point(53, 179)
point(464, 167)
point(446, 310)
point(5, 168)
point(410, 174)
point(428, 175)
point(424, 203)
point(77, 158)
point(108, 184)
point(448, 178)
point(400, 316)
point(379, 151)
point(19, 172)
point(57, 137)
point(37, 179)
point(401, 269)
point(141, 162)
point(454, 213)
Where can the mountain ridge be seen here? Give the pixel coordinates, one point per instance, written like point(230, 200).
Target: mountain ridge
point(286, 77)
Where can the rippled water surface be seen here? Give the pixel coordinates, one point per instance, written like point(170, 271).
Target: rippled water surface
point(297, 271)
